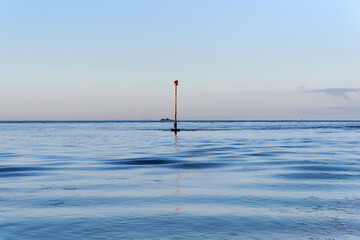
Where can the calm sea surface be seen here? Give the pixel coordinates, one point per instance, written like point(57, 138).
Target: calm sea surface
point(214, 180)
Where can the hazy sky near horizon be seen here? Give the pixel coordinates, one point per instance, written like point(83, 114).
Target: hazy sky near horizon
point(234, 59)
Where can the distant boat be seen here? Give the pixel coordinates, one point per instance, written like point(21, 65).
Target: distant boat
point(166, 119)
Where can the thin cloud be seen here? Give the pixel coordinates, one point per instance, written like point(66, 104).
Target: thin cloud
point(349, 109)
point(336, 92)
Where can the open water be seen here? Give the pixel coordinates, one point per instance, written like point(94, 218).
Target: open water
point(214, 180)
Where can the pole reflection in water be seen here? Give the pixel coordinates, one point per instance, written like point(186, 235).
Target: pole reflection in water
point(176, 142)
point(177, 181)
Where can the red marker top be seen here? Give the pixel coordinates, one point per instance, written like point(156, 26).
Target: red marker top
point(176, 82)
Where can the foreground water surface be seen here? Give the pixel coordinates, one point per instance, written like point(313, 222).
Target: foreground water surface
point(214, 180)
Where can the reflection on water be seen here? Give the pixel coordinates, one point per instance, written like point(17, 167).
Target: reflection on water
point(177, 181)
point(219, 180)
point(176, 142)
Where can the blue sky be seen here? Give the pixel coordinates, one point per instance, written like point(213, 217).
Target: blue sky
point(249, 59)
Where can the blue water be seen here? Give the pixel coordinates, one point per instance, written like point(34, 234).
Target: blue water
point(214, 180)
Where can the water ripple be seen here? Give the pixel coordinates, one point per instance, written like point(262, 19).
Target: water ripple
point(213, 180)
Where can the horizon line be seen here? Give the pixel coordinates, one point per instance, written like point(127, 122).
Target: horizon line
point(195, 120)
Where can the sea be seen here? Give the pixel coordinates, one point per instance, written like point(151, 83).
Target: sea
point(212, 180)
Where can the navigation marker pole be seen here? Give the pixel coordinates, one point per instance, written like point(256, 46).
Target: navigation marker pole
point(175, 129)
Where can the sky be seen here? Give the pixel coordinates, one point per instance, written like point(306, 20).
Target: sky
point(234, 59)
